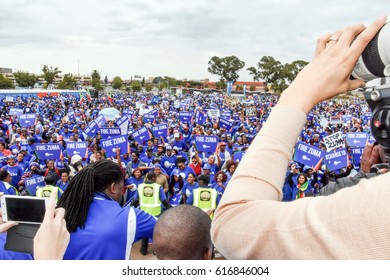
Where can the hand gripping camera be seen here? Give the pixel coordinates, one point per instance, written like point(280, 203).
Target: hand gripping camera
point(375, 63)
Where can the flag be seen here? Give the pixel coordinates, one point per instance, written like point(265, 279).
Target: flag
point(89, 98)
point(82, 99)
point(109, 95)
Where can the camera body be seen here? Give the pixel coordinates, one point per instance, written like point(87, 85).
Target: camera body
point(378, 99)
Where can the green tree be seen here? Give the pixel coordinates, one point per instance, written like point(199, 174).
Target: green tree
point(25, 79)
point(49, 74)
point(252, 88)
point(6, 83)
point(225, 67)
point(117, 82)
point(148, 87)
point(143, 81)
point(270, 70)
point(221, 85)
point(96, 80)
point(136, 85)
point(253, 72)
point(105, 80)
point(292, 69)
point(68, 82)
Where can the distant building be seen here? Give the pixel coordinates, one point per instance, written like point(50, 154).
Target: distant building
point(5, 70)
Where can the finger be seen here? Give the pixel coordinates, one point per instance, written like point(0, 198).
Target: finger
point(375, 155)
point(354, 84)
point(321, 43)
point(59, 213)
point(350, 33)
point(6, 226)
point(334, 38)
point(365, 37)
point(367, 150)
point(50, 208)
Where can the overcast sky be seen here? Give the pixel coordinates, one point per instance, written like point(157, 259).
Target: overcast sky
point(167, 37)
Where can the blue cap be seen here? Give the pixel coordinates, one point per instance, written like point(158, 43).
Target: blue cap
point(176, 172)
point(207, 166)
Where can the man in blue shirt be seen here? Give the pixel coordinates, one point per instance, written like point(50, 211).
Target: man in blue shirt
point(183, 169)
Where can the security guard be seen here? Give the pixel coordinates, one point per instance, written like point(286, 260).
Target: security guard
point(150, 198)
point(204, 197)
point(49, 187)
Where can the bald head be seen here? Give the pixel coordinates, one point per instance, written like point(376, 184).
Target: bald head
point(183, 233)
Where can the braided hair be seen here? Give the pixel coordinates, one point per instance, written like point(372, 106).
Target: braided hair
point(79, 194)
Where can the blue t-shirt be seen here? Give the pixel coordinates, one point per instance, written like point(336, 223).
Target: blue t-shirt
point(109, 231)
point(188, 188)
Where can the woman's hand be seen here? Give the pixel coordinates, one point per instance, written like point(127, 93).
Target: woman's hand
point(329, 72)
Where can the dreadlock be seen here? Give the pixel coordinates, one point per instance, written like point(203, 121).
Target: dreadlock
point(79, 194)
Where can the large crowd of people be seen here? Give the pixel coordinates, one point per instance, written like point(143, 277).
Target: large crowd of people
point(159, 150)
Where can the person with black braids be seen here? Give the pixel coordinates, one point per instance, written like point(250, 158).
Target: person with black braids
point(100, 229)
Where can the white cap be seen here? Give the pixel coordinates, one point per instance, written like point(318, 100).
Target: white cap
point(176, 135)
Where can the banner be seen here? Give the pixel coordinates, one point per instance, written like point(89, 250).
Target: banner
point(123, 124)
point(107, 132)
point(111, 144)
point(160, 130)
point(213, 113)
point(229, 87)
point(334, 141)
point(336, 159)
point(367, 117)
point(185, 116)
point(335, 120)
point(307, 154)
point(357, 155)
point(15, 111)
point(347, 118)
point(91, 129)
point(128, 113)
point(141, 135)
point(148, 118)
point(206, 143)
point(48, 151)
point(33, 183)
point(9, 99)
point(200, 117)
point(225, 124)
point(370, 139)
point(77, 148)
point(358, 139)
point(26, 120)
point(101, 120)
point(71, 116)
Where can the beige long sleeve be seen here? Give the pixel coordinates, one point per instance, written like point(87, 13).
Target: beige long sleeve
point(252, 223)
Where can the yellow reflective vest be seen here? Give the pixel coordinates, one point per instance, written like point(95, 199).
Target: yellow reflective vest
point(149, 198)
point(47, 190)
point(205, 199)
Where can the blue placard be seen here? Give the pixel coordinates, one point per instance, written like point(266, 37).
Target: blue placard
point(367, 117)
point(307, 154)
point(15, 112)
point(206, 143)
point(27, 120)
point(33, 183)
point(200, 117)
point(175, 199)
point(77, 148)
point(357, 155)
point(358, 139)
point(149, 118)
point(225, 124)
point(101, 120)
point(91, 129)
point(128, 113)
point(185, 116)
point(107, 132)
point(48, 151)
point(238, 156)
point(141, 135)
point(123, 124)
point(160, 130)
point(370, 139)
point(347, 118)
point(336, 159)
point(110, 145)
